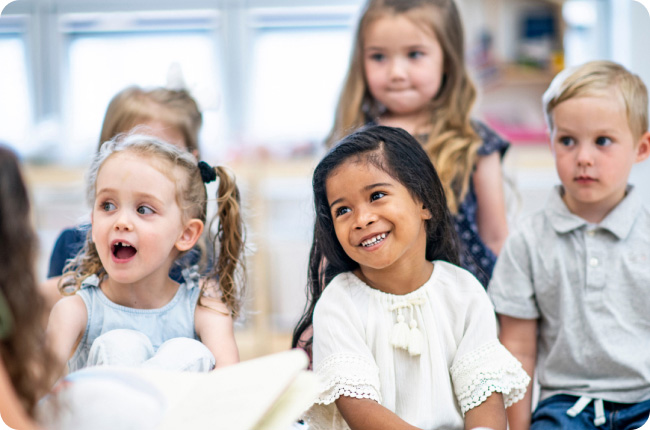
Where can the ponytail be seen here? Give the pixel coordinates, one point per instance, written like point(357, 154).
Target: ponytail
point(229, 269)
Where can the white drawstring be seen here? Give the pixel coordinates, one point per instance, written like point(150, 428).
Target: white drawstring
point(581, 404)
point(600, 412)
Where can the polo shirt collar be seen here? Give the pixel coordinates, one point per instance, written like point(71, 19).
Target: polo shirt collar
point(619, 221)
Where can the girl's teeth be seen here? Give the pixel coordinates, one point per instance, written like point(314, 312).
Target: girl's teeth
point(374, 240)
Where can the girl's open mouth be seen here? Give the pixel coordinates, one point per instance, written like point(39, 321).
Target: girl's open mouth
point(123, 251)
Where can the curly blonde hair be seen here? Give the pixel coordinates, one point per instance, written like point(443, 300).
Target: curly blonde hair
point(226, 239)
point(452, 142)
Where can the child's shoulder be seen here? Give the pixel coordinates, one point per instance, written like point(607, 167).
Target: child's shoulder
point(454, 282)
point(544, 222)
point(458, 289)
point(343, 284)
point(69, 311)
point(492, 141)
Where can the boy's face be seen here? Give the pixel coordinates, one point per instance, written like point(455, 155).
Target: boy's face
point(594, 150)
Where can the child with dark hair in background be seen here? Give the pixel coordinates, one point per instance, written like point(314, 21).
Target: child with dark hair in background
point(571, 285)
point(403, 338)
point(25, 364)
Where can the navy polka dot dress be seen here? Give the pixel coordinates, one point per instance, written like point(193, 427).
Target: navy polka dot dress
point(475, 256)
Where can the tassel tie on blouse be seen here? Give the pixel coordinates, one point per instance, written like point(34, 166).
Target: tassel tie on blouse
point(407, 336)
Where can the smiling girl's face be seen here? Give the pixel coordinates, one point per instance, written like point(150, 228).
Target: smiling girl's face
point(136, 221)
point(377, 221)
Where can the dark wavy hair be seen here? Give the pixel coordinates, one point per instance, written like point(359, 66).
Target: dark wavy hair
point(397, 153)
point(22, 341)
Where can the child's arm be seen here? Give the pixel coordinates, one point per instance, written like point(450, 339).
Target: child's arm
point(490, 201)
point(491, 414)
point(214, 325)
point(519, 336)
point(65, 327)
point(363, 414)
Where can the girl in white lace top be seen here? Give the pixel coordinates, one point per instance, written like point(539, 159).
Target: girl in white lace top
point(402, 337)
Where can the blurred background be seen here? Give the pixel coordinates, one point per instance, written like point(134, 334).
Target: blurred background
point(267, 75)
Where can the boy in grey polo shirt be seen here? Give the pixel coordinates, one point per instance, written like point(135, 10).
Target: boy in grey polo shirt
point(572, 283)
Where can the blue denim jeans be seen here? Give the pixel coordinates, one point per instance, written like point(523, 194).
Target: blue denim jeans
point(551, 414)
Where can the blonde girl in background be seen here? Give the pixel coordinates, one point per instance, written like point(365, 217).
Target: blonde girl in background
point(169, 114)
point(408, 70)
point(25, 364)
point(149, 205)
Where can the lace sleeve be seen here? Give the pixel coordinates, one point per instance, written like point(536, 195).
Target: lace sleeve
point(486, 370)
point(348, 375)
point(342, 375)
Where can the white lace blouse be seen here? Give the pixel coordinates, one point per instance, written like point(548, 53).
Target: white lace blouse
point(429, 356)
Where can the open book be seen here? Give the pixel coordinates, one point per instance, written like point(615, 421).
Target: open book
point(267, 393)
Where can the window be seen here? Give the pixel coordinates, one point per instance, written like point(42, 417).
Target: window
point(299, 61)
point(16, 108)
point(146, 51)
point(586, 37)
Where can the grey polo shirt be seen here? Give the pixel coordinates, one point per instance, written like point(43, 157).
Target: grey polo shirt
point(589, 286)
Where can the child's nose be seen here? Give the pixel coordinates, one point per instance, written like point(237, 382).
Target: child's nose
point(123, 222)
point(585, 155)
point(397, 68)
point(364, 218)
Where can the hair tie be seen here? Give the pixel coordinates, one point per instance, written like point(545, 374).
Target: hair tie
point(207, 172)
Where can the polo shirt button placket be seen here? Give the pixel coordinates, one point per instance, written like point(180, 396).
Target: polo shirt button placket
point(595, 274)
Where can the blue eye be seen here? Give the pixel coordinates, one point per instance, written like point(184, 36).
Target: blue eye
point(566, 141)
point(377, 57)
point(603, 141)
point(107, 206)
point(341, 211)
point(377, 195)
point(415, 54)
point(144, 210)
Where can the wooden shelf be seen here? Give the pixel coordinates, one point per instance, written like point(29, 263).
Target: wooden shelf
point(514, 75)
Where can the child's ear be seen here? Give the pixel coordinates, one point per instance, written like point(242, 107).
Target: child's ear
point(643, 147)
point(190, 235)
point(425, 213)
